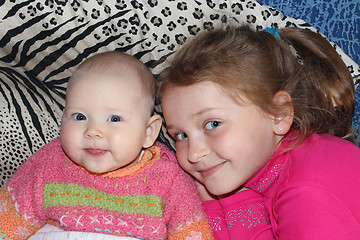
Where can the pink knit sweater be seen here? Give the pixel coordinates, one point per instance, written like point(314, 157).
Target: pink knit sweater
point(153, 199)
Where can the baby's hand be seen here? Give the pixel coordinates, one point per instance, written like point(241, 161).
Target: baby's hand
point(204, 193)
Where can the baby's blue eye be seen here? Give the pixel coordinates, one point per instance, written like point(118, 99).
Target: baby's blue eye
point(212, 125)
point(79, 117)
point(180, 136)
point(115, 119)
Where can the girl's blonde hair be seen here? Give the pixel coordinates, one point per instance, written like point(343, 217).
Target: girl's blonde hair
point(255, 65)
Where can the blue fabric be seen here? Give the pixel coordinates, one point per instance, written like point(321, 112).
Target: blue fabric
point(339, 20)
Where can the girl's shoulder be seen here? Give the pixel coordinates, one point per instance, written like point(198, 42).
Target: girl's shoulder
point(328, 146)
point(323, 158)
point(321, 175)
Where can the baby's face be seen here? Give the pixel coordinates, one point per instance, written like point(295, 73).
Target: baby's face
point(104, 122)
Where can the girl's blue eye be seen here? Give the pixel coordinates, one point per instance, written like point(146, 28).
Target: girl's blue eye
point(180, 136)
point(212, 125)
point(115, 119)
point(79, 117)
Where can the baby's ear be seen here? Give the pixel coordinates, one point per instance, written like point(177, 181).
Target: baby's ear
point(284, 118)
point(152, 130)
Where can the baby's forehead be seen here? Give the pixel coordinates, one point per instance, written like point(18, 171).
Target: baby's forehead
point(106, 83)
point(114, 72)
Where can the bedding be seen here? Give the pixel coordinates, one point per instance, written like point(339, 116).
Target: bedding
point(54, 233)
point(43, 41)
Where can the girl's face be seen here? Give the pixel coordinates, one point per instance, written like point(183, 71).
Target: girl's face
point(223, 144)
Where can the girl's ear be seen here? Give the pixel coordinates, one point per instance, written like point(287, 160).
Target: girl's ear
point(285, 116)
point(152, 130)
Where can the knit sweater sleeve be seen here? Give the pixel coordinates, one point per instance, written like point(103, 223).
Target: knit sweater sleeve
point(188, 219)
point(240, 216)
point(21, 199)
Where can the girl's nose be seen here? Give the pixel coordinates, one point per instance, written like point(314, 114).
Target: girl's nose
point(197, 150)
point(94, 130)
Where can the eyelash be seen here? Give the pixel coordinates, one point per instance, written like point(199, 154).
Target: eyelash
point(119, 119)
point(82, 117)
point(213, 124)
point(79, 117)
point(177, 136)
point(208, 126)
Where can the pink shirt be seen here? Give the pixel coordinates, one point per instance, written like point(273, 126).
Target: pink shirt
point(240, 216)
point(311, 192)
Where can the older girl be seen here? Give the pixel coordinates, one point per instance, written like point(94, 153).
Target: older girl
point(260, 120)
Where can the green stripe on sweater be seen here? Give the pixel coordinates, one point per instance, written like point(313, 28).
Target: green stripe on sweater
point(57, 194)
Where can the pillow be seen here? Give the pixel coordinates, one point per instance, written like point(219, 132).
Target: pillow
point(42, 42)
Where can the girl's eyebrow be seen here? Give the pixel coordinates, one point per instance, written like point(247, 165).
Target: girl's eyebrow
point(205, 110)
point(199, 113)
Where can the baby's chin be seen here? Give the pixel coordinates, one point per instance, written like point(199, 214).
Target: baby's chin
point(96, 170)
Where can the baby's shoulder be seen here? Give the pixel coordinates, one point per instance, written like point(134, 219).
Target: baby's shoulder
point(47, 154)
point(167, 165)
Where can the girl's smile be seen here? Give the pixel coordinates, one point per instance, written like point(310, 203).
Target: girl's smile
point(210, 170)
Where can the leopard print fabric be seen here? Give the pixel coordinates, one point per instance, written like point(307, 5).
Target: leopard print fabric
point(43, 41)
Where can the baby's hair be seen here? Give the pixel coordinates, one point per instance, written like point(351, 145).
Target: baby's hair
point(115, 62)
point(255, 65)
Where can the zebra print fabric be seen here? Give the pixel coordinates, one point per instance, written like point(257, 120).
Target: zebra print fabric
point(43, 41)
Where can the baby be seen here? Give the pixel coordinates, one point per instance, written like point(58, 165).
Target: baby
point(105, 173)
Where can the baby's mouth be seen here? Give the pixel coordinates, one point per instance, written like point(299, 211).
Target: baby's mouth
point(96, 152)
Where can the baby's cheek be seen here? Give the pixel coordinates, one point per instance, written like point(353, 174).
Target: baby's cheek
point(67, 137)
point(69, 141)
